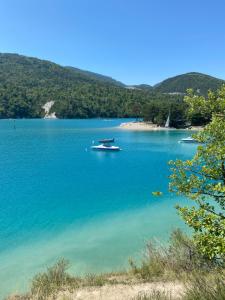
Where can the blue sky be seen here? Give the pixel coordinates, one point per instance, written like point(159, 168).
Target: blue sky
point(135, 41)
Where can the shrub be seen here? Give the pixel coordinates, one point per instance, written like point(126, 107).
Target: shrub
point(53, 280)
point(94, 280)
point(180, 256)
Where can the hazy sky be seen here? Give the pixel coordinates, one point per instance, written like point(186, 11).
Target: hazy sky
point(135, 41)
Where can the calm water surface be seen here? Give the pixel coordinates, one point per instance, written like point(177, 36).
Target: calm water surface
point(60, 199)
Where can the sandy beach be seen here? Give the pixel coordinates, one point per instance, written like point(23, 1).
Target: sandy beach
point(147, 126)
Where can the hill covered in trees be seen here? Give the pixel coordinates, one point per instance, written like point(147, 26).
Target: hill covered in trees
point(96, 76)
point(27, 83)
point(197, 81)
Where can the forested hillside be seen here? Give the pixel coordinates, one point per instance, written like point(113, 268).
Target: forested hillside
point(97, 76)
point(197, 81)
point(27, 83)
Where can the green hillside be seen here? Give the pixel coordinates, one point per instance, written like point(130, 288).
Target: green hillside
point(27, 83)
point(197, 81)
point(96, 76)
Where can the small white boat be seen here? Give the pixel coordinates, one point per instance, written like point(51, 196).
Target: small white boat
point(103, 147)
point(106, 146)
point(188, 140)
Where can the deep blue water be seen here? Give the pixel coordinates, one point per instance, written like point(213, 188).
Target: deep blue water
point(60, 199)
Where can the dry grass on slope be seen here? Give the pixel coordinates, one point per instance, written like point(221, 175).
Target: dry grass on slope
point(174, 272)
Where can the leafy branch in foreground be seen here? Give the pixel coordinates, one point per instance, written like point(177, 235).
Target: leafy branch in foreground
point(202, 179)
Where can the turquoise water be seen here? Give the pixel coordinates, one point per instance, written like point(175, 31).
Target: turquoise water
point(60, 199)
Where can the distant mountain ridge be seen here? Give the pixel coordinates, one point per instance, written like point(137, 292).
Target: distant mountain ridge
point(27, 83)
point(146, 87)
point(96, 76)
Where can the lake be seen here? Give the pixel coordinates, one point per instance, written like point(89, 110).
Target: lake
point(61, 199)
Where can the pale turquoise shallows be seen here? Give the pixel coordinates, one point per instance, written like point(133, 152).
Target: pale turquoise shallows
point(60, 199)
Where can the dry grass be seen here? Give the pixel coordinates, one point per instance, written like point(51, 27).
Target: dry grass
point(180, 258)
point(165, 273)
point(211, 287)
point(154, 295)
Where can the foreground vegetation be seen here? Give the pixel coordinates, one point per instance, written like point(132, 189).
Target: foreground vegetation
point(202, 178)
point(180, 261)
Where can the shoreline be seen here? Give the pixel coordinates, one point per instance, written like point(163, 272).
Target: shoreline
point(147, 126)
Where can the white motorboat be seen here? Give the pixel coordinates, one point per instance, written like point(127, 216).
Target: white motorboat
point(188, 140)
point(106, 146)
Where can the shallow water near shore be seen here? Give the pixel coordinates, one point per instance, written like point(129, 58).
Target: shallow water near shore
point(60, 199)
